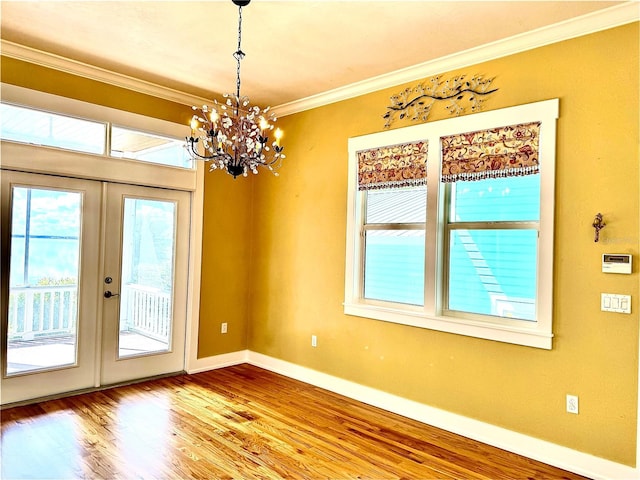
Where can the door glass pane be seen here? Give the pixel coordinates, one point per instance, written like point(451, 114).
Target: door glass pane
point(394, 266)
point(148, 245)
point(43, 282)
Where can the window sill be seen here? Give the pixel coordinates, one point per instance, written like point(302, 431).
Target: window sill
point(515, 334)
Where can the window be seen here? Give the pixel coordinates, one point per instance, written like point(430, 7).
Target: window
point(392, 180)
point(491, 236)
point(81, 140)
point(468, 248)
point(393, 234)
point(42, 128)
point(147, 147)
point(36, 127)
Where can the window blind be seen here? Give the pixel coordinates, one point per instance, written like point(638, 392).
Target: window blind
point(494, 153)
point(393, 166)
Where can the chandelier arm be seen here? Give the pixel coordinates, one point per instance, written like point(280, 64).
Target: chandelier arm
point(191, 142)
point(273, 161)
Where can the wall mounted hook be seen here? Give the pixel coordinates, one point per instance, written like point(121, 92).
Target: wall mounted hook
point(598, 224)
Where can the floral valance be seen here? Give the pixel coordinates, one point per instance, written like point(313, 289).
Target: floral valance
point(393, 166)
point(495, 153)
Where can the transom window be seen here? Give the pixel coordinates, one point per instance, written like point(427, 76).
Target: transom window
point(148, 147)
point(468, 247)
point(37, 127)
point(27, 125)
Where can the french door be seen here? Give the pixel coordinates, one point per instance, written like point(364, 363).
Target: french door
point(144, 282)
point(93, 283)
point(50, 262)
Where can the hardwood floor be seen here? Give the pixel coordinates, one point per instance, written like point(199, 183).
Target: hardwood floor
point(240, 422)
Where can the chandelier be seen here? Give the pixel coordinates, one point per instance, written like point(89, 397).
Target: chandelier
point(234, 135)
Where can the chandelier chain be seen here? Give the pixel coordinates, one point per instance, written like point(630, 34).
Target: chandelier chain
point(239, 53)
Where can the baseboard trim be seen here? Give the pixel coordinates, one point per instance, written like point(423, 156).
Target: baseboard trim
point(217, 361)
point(536, 449)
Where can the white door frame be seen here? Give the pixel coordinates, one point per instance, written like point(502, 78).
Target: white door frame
point(34, 159)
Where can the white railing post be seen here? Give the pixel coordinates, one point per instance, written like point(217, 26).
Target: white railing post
point(14, 300)
point(27, 332)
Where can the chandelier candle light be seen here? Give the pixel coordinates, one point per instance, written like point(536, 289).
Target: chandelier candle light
point(233, 134)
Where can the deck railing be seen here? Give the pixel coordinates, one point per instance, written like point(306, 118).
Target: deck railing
point(42, 311)
point(147, 311)
point(51, 310)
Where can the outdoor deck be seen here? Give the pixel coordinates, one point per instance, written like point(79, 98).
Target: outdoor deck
point(51, 352)
point(43, 323)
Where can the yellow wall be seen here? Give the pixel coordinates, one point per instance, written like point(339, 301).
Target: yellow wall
point(298, 279)
point(227, 249)
point(274, 252)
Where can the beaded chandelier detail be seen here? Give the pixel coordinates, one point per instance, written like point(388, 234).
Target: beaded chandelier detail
point(234, 135)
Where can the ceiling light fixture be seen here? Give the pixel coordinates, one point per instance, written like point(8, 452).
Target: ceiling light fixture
point(233, 134)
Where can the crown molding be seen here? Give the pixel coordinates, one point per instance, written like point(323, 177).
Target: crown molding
point(63, 64)
point(594, 22)
point(591, 23)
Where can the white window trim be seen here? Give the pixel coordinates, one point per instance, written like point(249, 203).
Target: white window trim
point(533, 334)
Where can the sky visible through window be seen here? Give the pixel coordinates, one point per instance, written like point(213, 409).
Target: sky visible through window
point(44, 235)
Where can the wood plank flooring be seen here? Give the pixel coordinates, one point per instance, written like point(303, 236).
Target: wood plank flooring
point(240, 422)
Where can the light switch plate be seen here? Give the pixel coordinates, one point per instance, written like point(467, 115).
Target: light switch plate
point(611, 302)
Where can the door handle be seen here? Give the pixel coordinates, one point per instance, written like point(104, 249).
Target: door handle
point(108, 294)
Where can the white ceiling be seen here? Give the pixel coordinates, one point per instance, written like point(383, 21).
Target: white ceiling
point(294, 49)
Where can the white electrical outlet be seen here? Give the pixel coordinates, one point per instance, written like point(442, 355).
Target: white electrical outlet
point(314, 341)
point(223, 327)
point(572, 404)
